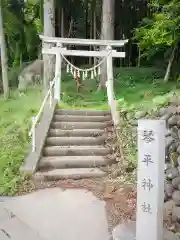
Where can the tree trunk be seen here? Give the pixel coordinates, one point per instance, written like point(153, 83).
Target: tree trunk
point(62, 22)
point(41, 15)
point(87, 25)
point(91, 32)
point(168, 70)
point(49, 30)
point(107, 33)
point(94, 34)
point(4, 65)
point(139, 57)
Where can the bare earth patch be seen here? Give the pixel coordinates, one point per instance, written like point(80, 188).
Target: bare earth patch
point(120, 198)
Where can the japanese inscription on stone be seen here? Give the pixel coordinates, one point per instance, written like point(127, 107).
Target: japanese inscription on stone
point(147, 159)
point(150, 187)
point(147, 184)
point(146, 207)
point(147, 137)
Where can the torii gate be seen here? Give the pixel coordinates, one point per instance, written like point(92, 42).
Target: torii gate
point(59, 49)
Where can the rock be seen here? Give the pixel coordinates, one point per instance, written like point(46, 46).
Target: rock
point(169, 235)
point(162, 111)
point(178, 123)
point(167, 166)
point(166, 116)
point(176, 182)
point(176, 197)
point(178, 117)
point(169, 141)
point(173, 147)
point(167, 159)
point(172, 173)
point(168, 133)
point(177, 227)
point(165, 197)
point(169, 189)
point(140, 114)
point(133, 122)
point(179, 133)
point(129, 116)
point(174, 132)
point(178, 109)
point(178, 160)
point(168, 209)
point(176, 214)
point(178, 149)
point(172, 120)
point(172, 109)
point(155, 114)
point(175, 101)
point(127, 231)
point(174, 158)
point(32, 74)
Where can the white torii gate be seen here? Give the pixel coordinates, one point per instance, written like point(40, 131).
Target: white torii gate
point(59, 48)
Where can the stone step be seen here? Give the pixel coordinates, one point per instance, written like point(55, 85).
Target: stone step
point(80, 125)
point(70, 173)
point(76, 132)
point(64, 141)
point(77, 151)
point(82, 112)
point(77, 118)
point(75, 162)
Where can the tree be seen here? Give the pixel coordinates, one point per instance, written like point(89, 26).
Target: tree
point(4, 65)
point(161, 31)
point(107, 33)
point(21, 24)
point(49, 30)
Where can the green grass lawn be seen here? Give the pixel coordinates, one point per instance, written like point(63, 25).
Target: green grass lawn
point(15, 119)
point(134, 88)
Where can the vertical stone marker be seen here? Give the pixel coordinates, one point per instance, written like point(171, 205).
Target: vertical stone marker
point(150, 186)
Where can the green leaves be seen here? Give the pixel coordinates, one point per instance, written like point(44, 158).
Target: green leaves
point(20, 25)
point(163, 28)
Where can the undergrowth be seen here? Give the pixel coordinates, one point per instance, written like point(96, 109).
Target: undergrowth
point(15, 119)
point(128, 133)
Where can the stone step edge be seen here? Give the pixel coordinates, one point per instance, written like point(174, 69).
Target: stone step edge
point(75, 161)
point(82, 112)
point(106, 123)
point(76, 150)
point(53, 132)
point(60, 141)
point(70, 173)
point(82, 118)
point(81, 125)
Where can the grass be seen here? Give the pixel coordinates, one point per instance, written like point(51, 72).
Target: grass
point(88, 96)
point(134, 89)
point(15, 118)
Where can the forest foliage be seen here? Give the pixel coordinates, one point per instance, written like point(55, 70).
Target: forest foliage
point(153, 29)
point(158, 35)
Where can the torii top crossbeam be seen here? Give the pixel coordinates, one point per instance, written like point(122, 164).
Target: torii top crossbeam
point(78, 41)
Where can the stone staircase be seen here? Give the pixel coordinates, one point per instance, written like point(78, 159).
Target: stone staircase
point(75, 146)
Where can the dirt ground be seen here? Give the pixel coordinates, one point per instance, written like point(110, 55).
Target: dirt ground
point(120, 198)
